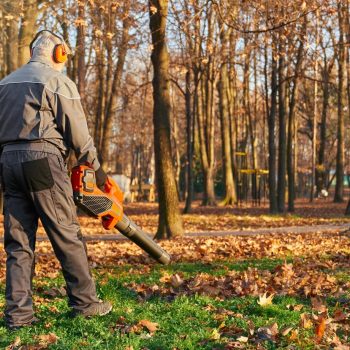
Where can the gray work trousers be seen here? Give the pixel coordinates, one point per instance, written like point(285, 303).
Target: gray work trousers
point(36, 185)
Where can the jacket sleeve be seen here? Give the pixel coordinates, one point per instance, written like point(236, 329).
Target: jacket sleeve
point(70, 119)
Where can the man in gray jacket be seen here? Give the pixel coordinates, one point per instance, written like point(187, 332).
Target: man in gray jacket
point(41, 119)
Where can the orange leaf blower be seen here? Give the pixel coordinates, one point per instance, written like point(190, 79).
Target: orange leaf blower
point(108, 207)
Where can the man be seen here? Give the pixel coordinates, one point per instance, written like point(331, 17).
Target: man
point(41, 118)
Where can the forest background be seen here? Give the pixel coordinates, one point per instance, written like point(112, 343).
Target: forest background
point(257, 85)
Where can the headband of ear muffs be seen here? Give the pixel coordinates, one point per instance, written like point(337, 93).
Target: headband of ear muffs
point(59, 53)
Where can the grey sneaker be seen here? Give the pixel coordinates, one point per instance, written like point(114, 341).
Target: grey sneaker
point(97, 309)
point(15, 327)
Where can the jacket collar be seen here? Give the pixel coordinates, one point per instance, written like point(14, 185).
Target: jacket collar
point(42, 60)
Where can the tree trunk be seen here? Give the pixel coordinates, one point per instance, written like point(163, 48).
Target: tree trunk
point(27, 30)
point(339, 187)
point(11, 45)
point(321, 168)
point(272, 145)
point(81, 52)
point(110, 107)
point(189, 133)
point(282, 149)
point(223, 88)
point(206, 145)
point(315, 119)
point(170, 222)
point(291, 129)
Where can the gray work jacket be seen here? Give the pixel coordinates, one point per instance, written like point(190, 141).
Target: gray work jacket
point(39, 103)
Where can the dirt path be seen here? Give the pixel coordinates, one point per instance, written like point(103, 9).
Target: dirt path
point(255, 232)
point(264, 231)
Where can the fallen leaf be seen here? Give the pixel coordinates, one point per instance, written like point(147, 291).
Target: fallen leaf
point(264, 300)
point(267, 333)
point(285, 331)
point(234, 345)
point(151, 326)
point(16, 343)
point(305, 321)
point(242, 339)
point(47, 339)
point(296, 307)
point(342, 347)
point(215, 335)
point(339, 316)
point(176, 281)
point(320, 329)
point(55, 292)
point(294, 334)
point(317, 305)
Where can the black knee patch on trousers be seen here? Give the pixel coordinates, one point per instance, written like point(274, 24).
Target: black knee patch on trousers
point(38, 174)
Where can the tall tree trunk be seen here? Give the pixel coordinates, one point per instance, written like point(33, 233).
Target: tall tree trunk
point(232, 98)
point(315, 119)
point(99, 116)
point(206, 115)
point(170, 222)
point(291, 124)
point(272, 145)
point(321, 168)
point(11, 43)
point(205, 146)
point(100, 87)
point(81, 51)
point(189, 133)
point(116, 82)
point(347, 31)
point(223, 87)
point(281, 190)
point(27, 30)
point(339, 187)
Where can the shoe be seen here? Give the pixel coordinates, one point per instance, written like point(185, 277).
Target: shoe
point(15, 327)
point(97, 309)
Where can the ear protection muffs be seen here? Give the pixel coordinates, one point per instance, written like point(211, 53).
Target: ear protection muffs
point(59, 54)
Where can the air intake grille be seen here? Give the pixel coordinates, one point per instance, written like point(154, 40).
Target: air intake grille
point(97, 204)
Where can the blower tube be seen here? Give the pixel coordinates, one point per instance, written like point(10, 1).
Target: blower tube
point(129, 229)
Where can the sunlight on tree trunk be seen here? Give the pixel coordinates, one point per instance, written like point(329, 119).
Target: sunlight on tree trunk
point(170, 222)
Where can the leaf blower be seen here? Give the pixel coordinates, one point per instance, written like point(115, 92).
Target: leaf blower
point(108, 207)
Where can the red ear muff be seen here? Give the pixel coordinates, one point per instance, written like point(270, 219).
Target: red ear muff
point(59, 54)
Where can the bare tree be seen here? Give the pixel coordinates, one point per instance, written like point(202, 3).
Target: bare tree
point(170, 222)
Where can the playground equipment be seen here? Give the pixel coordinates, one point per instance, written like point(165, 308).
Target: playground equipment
point(250, 180)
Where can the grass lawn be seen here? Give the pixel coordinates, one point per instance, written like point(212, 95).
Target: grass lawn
point(158, 307)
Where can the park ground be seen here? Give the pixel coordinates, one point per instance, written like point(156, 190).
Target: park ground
point(262, 291)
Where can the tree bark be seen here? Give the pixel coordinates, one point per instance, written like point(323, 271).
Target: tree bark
point(189, 132)
point(170, 222)
point(110, 107)
point(27, 30)
point(282, 149)
point(321, 168)
point(11, 46)
point(223, 87)
point(272, 145)
point(81, 51)
point(339, 187)
point(291, 128)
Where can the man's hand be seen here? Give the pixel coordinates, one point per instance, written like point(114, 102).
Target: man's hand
point(101, 178)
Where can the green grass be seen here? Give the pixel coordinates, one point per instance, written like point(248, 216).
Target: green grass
point(185, 322)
